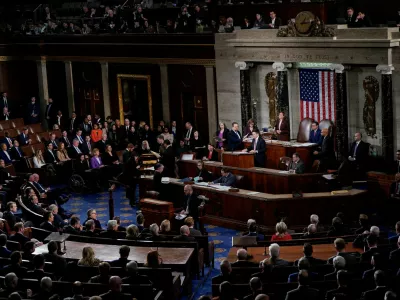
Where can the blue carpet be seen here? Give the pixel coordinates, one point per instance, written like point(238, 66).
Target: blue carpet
point(222, 237)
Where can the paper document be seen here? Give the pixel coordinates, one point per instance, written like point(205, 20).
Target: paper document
point(328, 176)
point(201, 183)
point(180, 216)
point(308, 144)
point(253, 193)
point(165, 180)
point(284, 172)
point(149, 169)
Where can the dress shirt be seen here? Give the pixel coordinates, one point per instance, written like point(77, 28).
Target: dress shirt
point(237, 133)
point(98, 160)
point(255, 144)
point(280, 123)
point(19, 152)
point(9, 141)
point(273, 21)
point(59, 120)
point(5, 102)
point(355, 149)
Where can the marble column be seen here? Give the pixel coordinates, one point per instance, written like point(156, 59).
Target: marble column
point(387, 111)
point(106, 89)
point(165, 92)
point(211, 102)
point(43, 88)
point(282, 89)
point(342, 132)
point(70, 87)
point(245, 92)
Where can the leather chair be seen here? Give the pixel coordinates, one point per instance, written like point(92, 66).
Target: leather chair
point(328, 124)
point(303, 135)
point(284, 162)
point(239, 181)
point(315, 166)
point(152, 194)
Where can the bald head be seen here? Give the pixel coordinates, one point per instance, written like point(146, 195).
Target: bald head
point(115, 283)
point(241, 254)
point(188, 190)
point(262, 297)
point(185, 230)
point(46, 284)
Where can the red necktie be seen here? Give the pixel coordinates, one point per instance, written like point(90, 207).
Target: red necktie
point(209, 155)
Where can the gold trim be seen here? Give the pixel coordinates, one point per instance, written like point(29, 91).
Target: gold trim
point(136, 60)
point(149, 96)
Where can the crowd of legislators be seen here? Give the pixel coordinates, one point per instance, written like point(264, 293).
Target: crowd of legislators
point(117, 19)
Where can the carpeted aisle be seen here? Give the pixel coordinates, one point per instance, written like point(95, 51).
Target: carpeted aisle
point(79, 205)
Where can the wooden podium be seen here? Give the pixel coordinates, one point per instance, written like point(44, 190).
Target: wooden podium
point(156, 211)
point(238, 159)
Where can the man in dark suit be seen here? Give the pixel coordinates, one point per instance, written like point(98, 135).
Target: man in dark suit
point(258, 148)
point(5, 115)
point(24, 137)
point(104, 274)
point(123, 258)
point(362, 20)
point(74, 226)
point(226, 179)
point(274, 22)
point(308, 252)
point(343, 279)
point(168, 159)
point(15, 265)
point(127, 154)
point(50, 113)
point(33, 112)
point(65, 139)
point(327, 153)
point(351, 258)
point(111, 232)
point(358, 154)
point(189, 222)
point(256, 288)
point(115, 291)
point(4, 155)
point(73, 124)
point(7, 140)
point(133, 275)
point(19, 234)
point(351, 17)
point(4, 102)
point(101, 145)
point(189, 134)
point(190, 203)
point(48, 223)
point(225, 275)
point(282, 127)
point(59, 262)
point(235, 138)
point(9, 214)
point(49, 156)
point(60, 120)
point(16, 152)
point(38, 273)
point(184, 235)
point(87, 146)
point(303, 264)
point(296, 165)
point(339, 263)
point(372, 242)
point(315, 134)
point(243, 260)
point(53, 141)
point(86, 127)
point(303, 291)
point(74, 151)
point(381, 287)
point(4, 252)
point(252, 226)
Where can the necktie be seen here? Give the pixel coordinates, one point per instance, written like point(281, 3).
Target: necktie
point(210, 155)
point(355, 150)
point(314, 133)
point(67, 141)
point(88, 145)
point(80, 139)
point(54, 144)
point(77, 150)
point(18, 151)
point(48, 110)
point(237, 133)
point(72, 124)
point(9, 141)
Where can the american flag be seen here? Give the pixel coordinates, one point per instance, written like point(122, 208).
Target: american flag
point(317, 94)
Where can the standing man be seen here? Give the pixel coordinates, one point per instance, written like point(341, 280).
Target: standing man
point(50, 113)
point(282, 127)
point(358, 154)
point(191, 204)
point(33, 112)
point(274, 22)
point(4, 101)
point(189, 134)
point(327, 153)
point(258, 148)
point(73, 124)
point(235, 138)
point(351, 17)
point(315, 134)
point(296, 165)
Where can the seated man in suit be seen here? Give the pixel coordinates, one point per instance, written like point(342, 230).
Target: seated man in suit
point(256, 288)
point(59, 262)
point(274, 251)
point(189, 222)
point(123, 258)
point(362, 20)
point(9, 214)
point(225, 275)
point(53, 141)
point(308, 252)
point(184, 235)
point(9, 141)
point(49, 156)
point(17, 155)
point(115, 291)
point(74, 151)
point(303, 291)
point(296, 165)
point(38, 273)
point(381, 287)
point(303, 264)
point(74, 226)
point(133, 275)
point(315, 134)
point(258, 148)
point(19, 234)
point(65, 139)
point(351, 17)
point(4, 252)
point(235, 138)
point(4, 155)
point(343, 280)
point(226, 179)
point(24, 137)
point(252, 226)
point(111, 232)
point(87, 146)
point(351, 258)
point(282, 127)
point(48, 222)
point(274, 22)
point(395, 187)
point(243, 260)
point(327, 153)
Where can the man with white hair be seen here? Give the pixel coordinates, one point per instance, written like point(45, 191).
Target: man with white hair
point(11, 284)
point(115, 291)
point(274, 252)
point(361, 240)
point(45, 292)
point(252, 226)
point(112, 230)
point(155, 233)
point(314, 219)
point(242, 259)
point(311, 232)
point(184, 235)
point(339, 263)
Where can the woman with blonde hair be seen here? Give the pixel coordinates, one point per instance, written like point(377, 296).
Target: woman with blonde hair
point(165, 228)
point(38, 162)
point(281, 233)
point(132, 232)
point(88, 258)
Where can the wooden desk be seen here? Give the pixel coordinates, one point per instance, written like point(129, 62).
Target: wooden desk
point(277, 149)
point(382, 182)
point(233, 209)
point(238, 159)
point(259, 179)
point(292, 253)
point(174, 258)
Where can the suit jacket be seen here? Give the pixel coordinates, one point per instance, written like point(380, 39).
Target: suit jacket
point(60, 121)
point(299, 167)
point(294, 277)
point(101, 145)
point(59, 263)
point(184, 238)
point(221, 278)
point(119, 263)
point(73, 125)
point(244, 264)
point(85, 148)
point(47, 226)
point(284, 135)
point(4, 252)
point(20, 238)
point(345, 291)
point(50, 112)
point(33, 108)
point(351, 258)
point(48, 158)
point(16, 155)
point(115, 296)
point(23, 139)
point(195, 232)
point(38, 274)
point(11, 218)
point(71, 230)
point(5, 141)
point(229, 180)
point(168, 160)
point(315, 137)
point(312, 260)
point(192, 202)
point(73, 153)
point(351, 20)
point(302, 293)
point(234, 141)
point(377, 293)
point(327, 153)
point(86, 128)
point(17, 269)
point(259, 156)
point(278, 22)
point(3, 156)
point(362, 151)
point(66, 141)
